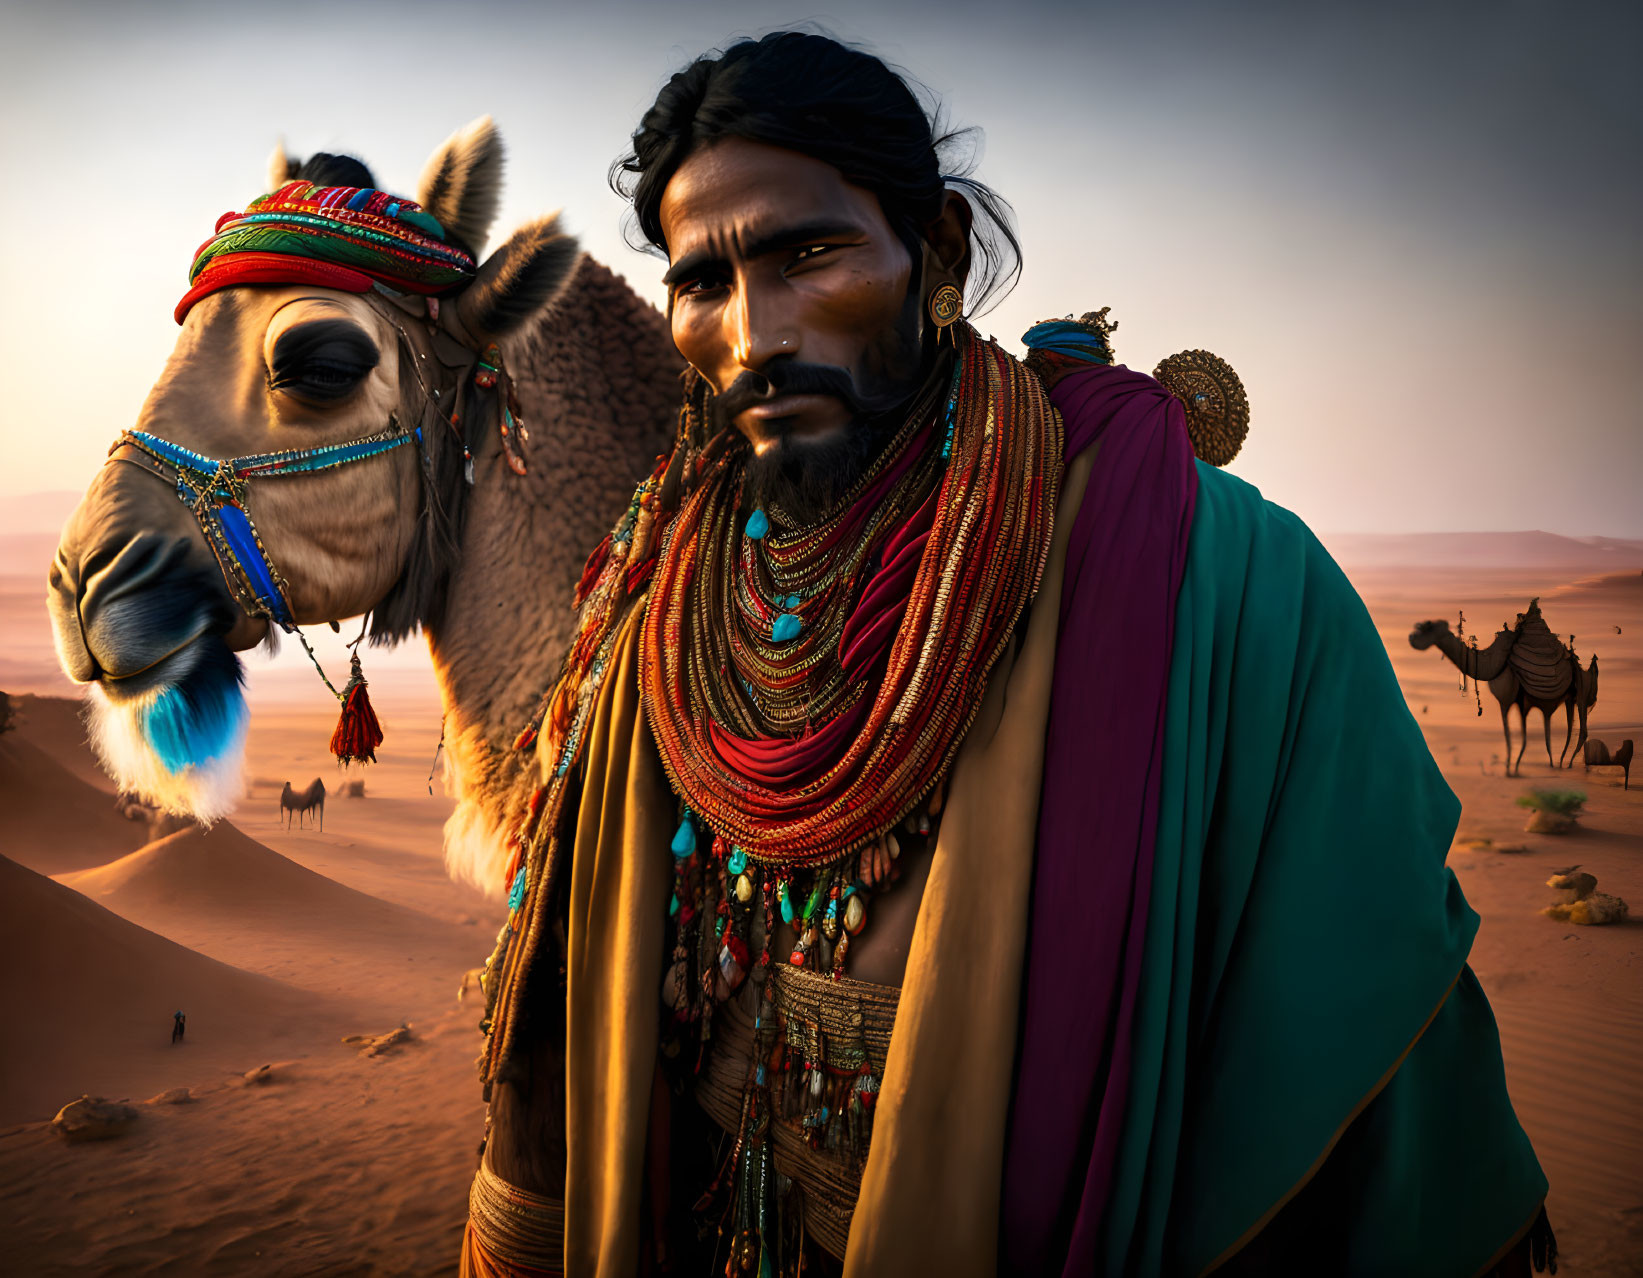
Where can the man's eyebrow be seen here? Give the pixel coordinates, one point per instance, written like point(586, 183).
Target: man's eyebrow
point(765, 242)
point(691, 264)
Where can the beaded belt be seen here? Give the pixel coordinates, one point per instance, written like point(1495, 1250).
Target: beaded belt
point(844, 1020)
point(515, 1225)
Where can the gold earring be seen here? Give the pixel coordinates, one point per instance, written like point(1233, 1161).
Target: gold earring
point(946, 308)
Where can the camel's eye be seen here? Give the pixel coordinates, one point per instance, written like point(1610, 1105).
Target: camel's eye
point(321, 361)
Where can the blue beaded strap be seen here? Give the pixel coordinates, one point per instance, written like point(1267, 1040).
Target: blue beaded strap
point(215, 491)
point(293, 461)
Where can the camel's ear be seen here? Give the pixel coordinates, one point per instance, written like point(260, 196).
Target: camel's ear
point(462, 183)
point(281, 167)
point(517, 281)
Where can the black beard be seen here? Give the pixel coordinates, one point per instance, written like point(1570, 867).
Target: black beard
point(806, 481)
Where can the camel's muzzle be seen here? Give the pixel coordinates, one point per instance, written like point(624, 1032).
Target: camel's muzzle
point(132, 588)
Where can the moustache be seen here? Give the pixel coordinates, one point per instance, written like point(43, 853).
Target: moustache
point(751, 389)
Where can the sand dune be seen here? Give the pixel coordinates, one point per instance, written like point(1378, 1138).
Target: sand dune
point(88, 996)
point(53, 821)
point(56, 725)
point(222, 870)
point(222, 893)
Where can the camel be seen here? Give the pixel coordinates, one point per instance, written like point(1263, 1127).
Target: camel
point(310, 798)
point(486, 571)
point(489, 584)
point(1526, 667)
point(1598, 755)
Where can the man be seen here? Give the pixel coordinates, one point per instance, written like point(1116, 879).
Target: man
point(968, 766)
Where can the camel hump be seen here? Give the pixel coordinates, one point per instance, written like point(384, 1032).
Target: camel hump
point(1539, 658)
point(1533, 624)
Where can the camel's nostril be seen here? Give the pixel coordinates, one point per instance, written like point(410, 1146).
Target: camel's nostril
point(120, 607)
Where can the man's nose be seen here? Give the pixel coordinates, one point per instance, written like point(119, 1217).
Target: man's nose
point(760, 327)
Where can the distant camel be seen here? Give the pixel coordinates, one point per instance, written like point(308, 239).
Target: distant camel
point(1527, 667)
point(302, 802)
point(1598, 756)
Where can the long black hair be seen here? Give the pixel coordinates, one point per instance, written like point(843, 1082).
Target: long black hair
point(812, 94)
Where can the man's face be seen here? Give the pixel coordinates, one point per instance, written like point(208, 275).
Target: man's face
point(791, 294)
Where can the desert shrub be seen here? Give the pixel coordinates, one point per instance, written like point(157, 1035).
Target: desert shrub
point(1563, 802)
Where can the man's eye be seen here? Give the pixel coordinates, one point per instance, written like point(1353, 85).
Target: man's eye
point(811, 252)
point(701, 284)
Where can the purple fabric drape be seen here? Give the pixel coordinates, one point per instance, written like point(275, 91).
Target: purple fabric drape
point(1097, 817)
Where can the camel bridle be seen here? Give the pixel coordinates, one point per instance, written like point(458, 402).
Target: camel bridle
point(216, 491)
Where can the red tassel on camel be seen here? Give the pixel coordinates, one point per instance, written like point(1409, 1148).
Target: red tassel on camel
point(358, 733)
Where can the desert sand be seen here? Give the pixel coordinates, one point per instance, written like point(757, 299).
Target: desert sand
point(279, 943)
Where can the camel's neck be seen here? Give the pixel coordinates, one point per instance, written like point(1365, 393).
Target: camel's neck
point(598, 388)
point(1477, 663)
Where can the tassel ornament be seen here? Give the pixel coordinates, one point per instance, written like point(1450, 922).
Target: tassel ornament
point(358, 733)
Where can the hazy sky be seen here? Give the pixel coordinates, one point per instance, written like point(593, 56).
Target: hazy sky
point(1414, 230)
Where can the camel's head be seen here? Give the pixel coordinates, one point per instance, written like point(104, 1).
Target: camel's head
point(142, 610)
point(1426, 633)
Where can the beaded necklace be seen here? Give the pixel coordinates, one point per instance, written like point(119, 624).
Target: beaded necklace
point(766, 642)
point(876, 733)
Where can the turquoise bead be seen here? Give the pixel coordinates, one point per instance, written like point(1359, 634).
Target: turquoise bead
point(785, 627)
point(792, 602)
point(673, 906)
point(737, 861)
point(684, 838)
point(787, 907)
point(516, 896)
point(758, 524)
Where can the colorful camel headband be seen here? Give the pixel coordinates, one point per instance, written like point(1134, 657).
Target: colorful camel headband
point(341, 237)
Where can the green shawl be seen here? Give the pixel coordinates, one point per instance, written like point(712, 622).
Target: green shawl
point(1305, 1001)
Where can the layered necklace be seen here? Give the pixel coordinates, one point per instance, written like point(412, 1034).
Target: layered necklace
point(776, 619)
point(807, 687)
